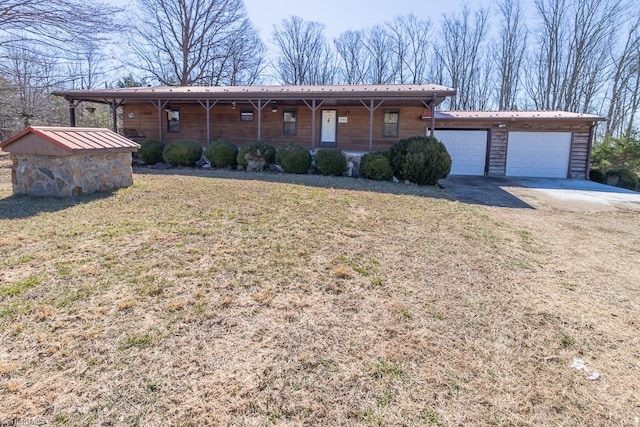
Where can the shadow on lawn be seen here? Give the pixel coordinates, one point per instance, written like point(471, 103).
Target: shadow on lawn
point(471, 190)
point(17, 207)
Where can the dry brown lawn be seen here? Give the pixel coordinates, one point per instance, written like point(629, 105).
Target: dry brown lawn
point(210, 300)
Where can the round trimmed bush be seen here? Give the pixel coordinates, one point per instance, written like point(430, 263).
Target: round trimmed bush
point(376, 166)
point(151, 151)
point(596, 175)
point(256, 156)
point(422, 160)
point(293, 158)
point(182, 153)
point(331, 161)
point(221, 154)
point(623, 178)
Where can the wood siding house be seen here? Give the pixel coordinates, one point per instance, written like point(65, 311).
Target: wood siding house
point(356, 118)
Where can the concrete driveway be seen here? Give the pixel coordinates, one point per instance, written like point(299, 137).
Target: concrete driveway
point(536, 193)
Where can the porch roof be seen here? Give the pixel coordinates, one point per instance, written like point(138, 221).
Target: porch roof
point(337, 93)
point(517, 116)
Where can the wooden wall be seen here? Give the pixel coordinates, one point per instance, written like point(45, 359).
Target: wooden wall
point(352, 135)
point(226, 123)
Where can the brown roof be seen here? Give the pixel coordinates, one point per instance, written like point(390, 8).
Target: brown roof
point(516, 115)
point(76, 140)
point(338, 92)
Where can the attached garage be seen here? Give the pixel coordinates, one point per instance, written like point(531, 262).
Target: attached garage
point(544, 144)
point(538, 154)
point(468, 150)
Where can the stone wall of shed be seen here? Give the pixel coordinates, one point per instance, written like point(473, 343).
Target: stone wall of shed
point(63, 176)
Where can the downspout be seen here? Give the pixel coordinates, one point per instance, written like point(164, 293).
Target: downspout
point(313, 125)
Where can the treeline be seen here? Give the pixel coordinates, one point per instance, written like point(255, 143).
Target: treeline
point(574, 55)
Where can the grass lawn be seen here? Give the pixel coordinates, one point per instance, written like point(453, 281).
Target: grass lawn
point(190, 299)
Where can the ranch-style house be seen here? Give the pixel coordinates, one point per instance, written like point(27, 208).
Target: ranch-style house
point(355, 118)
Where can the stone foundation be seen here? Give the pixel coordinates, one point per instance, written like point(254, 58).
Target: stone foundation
point(64, 176)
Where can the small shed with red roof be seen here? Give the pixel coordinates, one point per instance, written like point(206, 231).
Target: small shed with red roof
point(69, 161)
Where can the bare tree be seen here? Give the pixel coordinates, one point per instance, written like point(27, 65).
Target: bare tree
point(29, 77)
point(55, 22)
point(353, 57)
point(461, 55)
point(409, 48)
point(304, 56)
point(571, 66)
point(383, 65)
point(195, 42)
point(510, 50)
point(625, 85)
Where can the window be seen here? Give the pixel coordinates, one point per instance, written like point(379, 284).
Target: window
point(173, 120)
point(289, 123)
point(246, 116)
point(390, 124)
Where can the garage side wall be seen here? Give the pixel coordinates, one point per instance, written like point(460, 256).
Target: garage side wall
point(64, 176)
point(498, 152)
point(578, 162)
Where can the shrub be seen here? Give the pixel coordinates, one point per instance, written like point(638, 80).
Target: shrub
point(422, 160)
point(293, 158)
point(623, 178)
point(151, 151)
point(221, 154)
point(331, 161)
point(256, 156)
point(376, 166)
point(596, 175)
point(182, 153)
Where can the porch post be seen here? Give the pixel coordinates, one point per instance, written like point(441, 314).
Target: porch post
point(259, 120)
point(433, 117)
point(314, 107)
point(159, 106)
point(371, 107)
point(72, 114)
point(313, 124)
point(114, 115)
point(208, 105)
point(260, 107)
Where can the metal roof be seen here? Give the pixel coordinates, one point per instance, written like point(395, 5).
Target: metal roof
point(516, 115)
point(76, 140)
point(297, 92)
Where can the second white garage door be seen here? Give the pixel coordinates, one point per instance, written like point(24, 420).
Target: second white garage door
point(468, 150)
point(538, 154)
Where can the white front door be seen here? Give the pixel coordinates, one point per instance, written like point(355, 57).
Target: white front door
point(328, 128)
point(538, 154)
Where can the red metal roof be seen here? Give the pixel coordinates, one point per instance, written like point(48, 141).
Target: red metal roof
point(516, 115)
point(352, 92)
point(78, 139)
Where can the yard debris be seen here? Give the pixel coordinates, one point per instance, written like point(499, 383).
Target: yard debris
point(580, 365)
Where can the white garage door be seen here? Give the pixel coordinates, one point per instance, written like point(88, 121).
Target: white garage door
point(538, 154)
point(468, 150)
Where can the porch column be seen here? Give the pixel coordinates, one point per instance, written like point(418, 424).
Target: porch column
point(371, 107)
point(114, 113)
point(208, 105)
point(159, 104)
point(260, 107)
point(313, 107)
point(431, 105)
point(72, 114)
